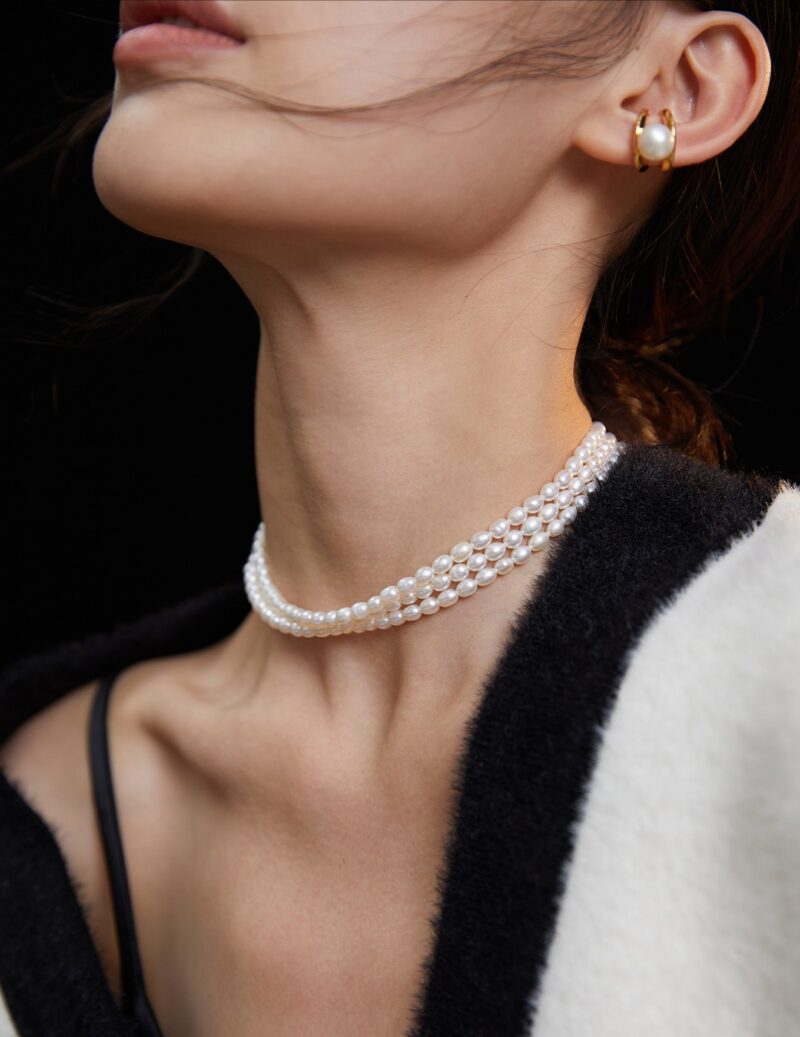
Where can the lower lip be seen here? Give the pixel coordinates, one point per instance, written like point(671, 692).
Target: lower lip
point(161, 40)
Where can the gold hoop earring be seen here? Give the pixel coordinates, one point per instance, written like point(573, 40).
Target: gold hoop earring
point(654, 143)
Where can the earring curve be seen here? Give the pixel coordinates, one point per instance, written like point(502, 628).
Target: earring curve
point(653, 147)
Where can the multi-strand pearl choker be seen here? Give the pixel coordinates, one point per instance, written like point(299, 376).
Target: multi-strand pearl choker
point(471, 564)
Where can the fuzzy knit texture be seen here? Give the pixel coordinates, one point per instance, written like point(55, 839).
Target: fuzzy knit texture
point(632, 742)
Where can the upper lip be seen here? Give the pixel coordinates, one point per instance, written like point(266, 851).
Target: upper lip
point(205, 13)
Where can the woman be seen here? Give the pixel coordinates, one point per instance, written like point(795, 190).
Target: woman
point(564, 807)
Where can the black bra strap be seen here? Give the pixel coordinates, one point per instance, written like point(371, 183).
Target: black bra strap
point(134, 995)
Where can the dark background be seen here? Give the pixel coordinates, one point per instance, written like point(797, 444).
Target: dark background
point(128, 456)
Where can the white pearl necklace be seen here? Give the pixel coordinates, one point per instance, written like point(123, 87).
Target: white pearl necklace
point(470, 564)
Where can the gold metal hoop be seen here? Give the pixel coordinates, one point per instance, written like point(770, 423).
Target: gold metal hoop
point(669, 121)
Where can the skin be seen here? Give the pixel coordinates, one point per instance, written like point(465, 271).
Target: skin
point(420, 275)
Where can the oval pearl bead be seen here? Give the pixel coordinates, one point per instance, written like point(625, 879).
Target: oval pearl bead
point(520, 555)
point(532, 525)
point(412, 612)
point(425, 574)
point(569, 513)
point(477, 561)
point(533, 503)
point(408, 583)
point(481, 539)
point(563, 477)
point(505, 565)
point(396, 618)
point(458, 572)
point(429, 606)
point(360, 610)
point(424, 592)
point(443, 562)
point(448, 597)
point(564, 498)
point(548, 512)
point(409, 597)
point(440, 581)
point(374, 604)
point(655, 142)
point(513, 538)
point(516, 516)
point(486, 576)
point(580, 501)
point(495, 551)
point(555, 527)
point(500, 528)
point(538, 540)
point(467, 588)
point(390, 596)
point(549, 490)
point(461, 551)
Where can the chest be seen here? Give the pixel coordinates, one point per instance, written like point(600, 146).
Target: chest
point(252, 921)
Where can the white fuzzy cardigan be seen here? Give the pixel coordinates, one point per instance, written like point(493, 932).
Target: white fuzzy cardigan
point(624, 858)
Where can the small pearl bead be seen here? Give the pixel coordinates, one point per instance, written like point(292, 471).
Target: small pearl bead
point(564, 498)
point(655, 142)
point(408, 583)
point(374, 604)
point(555, 527)
point(515, 516)
point(505, 565)
point(424, 592)
point(396, 618)
point(467, 588)
point(390, 597)
point(513, 538)
point(412, 612)
point(533, 524)
point(500, 528)
point(549, 490)
point(569, 513)
point(461, 551)
point(443, 562)
point(486, 576)
point(538, 540)
point(548, 512)
point(429, 606)
point(563, 477)
point(533, 503)
point(360, 610)
point(330, 617)
point(409, 597)
point(440, 581)
point(425, 574)
point(458, 572)
point(448, 597)
point(480, 540)
point(477, 561)
point(580, 501)
point(520, 555)
point(495, 551)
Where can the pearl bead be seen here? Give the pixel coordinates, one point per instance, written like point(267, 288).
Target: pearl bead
point(429, 606)
point(477, 561)
point(505, 565)
point(458, 572)
point(424, 575)
point(412, 612)
point(515, 516)
point(520, 555)
point(443, 563)
point(533, 503)
point(467, 588)
point(549, 490)
point(555, 527)
point(533, 524)
point(538, 540)
point(461, 551)
point(360, 610)
point(548, 512)
point(390, 596)
point(408, 583)
point(480, 540)
point(448, 597)
point(440, 581)
point(495, 551)
point(655, 142)
point(486, 576)
point(500, 528)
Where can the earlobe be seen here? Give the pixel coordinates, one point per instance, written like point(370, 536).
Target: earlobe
point(711, 71)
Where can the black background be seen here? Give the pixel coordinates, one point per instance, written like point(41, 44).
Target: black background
point(128, 458)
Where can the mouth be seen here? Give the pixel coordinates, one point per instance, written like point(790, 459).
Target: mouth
point(191, 14)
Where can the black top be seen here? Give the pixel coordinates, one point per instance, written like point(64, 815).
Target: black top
point(134, 995)
point(527, 758)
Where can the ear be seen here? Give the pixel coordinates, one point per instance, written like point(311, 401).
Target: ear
point(711, 69)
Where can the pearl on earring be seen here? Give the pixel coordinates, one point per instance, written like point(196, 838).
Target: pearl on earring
point(654, 142)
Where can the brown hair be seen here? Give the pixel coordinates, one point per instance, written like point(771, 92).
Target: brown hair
point(714, 228)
